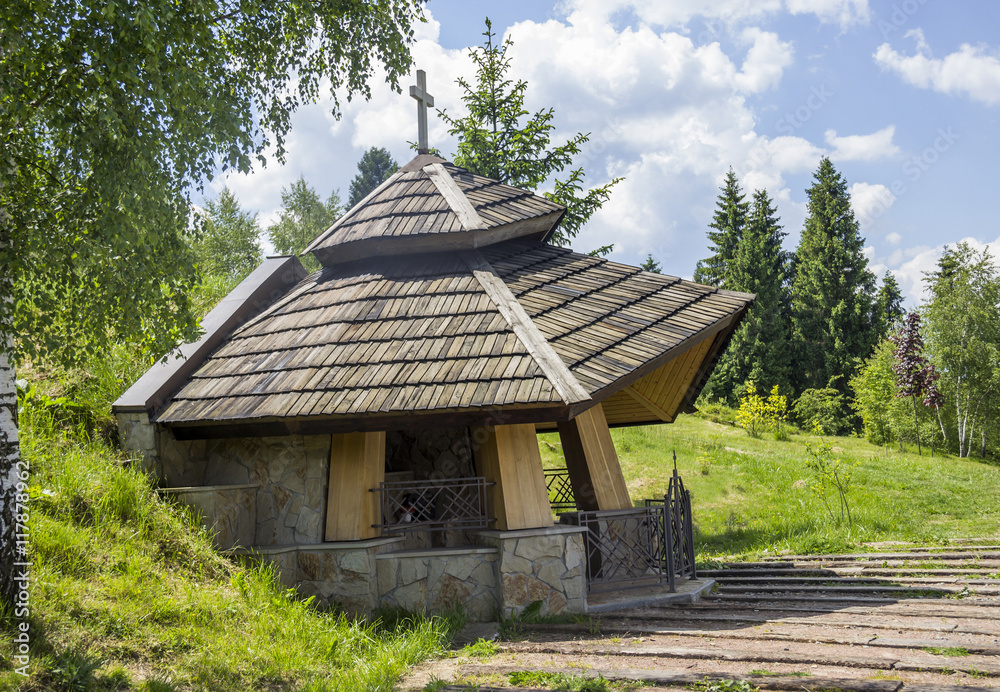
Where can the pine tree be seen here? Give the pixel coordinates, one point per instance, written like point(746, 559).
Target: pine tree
point(758, 350)
point(832, 291)
point(888, 307)
point(227, 245)
point(729, 220)
point(303, 217)
point(651, 265)
point(375, 166)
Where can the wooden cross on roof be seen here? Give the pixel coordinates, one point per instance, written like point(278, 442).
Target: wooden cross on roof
point(419, 92)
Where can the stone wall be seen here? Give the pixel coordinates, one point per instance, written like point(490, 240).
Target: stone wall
point(229, 511)
point(544, 564)
point(139, 436)
point(435, 581)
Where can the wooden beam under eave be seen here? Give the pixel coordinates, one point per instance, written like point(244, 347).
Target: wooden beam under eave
point(594, 470)
point(508, 456)
point(648, 405)
point(357, 463)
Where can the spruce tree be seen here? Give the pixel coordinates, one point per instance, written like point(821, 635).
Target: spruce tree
point(758, 350)
point(833, 292)
point(888, 307)
point(375, 166)
point(729, 220)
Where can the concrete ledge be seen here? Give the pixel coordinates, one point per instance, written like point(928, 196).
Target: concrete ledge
point(313, 547)
point(207, 488)
point(688, 591)
point(554, 530)
point(437, 553)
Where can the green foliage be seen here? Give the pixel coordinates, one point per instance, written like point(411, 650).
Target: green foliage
point(495, 140)
point(303, 217)
point(758, 414)
point(962, 327)
point(728, 222)
point(481, 648)
point(111, 113)
point(651, 265)
point(375, 166)
point(888, 306)
point(875, 400)
point(559, 681)
point(830, 474)
point(227, 242)
point(823, 409)
point(833, 291)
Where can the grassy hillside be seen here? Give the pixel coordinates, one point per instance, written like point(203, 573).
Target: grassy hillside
point(127, 593)
point(752, 496)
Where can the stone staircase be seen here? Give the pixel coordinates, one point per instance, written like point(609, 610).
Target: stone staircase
point(903, 618)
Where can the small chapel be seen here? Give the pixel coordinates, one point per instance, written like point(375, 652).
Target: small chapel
point(371, 428)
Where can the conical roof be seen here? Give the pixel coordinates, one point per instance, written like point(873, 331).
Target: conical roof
point(432, 205)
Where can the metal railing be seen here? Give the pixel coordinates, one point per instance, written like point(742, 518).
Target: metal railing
point(560, 490)
point(641, 546)
point(446, 504)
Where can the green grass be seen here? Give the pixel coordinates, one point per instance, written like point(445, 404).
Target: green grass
point(127, 593)
point(752, 496)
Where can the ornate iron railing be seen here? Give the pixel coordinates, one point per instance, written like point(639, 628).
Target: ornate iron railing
point(438, 505)
point(560, 490)
point(642, 546)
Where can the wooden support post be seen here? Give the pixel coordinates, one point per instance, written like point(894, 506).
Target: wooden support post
point(594, 470)
point(508, 456)
point(357, 463)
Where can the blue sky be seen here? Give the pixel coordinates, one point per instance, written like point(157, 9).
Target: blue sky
point(903, 96)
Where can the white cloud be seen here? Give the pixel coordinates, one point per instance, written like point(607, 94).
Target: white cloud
point(843, 12)
point(971, 70)
point(871, 147)
point(870, 202)
point(912, 264)
point(894, 239)
point(765, 62)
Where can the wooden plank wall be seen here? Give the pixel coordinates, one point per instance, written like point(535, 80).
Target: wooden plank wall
point(592, 462)
point(508, 456)
point(357, 463)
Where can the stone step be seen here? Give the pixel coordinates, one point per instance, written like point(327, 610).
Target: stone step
point(686, 680)
point(927, 662)
point(872, 557)
point(717, 636)
point(941, 608)
point(871, 588)
point(844, 580)
point(986, 573)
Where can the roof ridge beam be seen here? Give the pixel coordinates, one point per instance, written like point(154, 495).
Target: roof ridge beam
point(453, 195)
point(541, 351)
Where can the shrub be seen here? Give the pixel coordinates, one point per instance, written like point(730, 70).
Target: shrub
point(822, 409)
point(758, 414)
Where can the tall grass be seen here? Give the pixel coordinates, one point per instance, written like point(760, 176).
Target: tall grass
point(127, 593)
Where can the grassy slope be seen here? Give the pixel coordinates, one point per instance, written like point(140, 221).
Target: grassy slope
point(127, 593)
point(752, 496)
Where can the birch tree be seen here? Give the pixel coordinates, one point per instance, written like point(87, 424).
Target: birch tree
point(110, 115)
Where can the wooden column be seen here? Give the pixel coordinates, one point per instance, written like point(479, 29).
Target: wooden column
point(357, 463)
point(594, 470)
point(508, 456)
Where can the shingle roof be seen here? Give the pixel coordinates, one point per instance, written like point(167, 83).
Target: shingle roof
point(431, 335)
point(431, 205)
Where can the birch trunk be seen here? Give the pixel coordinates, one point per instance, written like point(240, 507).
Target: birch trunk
point(10, 451)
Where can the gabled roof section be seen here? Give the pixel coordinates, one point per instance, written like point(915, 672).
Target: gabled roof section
point(519, 331)
point(431, 205)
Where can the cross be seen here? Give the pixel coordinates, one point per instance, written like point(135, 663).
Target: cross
point(419, 92)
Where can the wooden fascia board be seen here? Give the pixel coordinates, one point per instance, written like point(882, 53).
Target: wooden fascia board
point(279, 427)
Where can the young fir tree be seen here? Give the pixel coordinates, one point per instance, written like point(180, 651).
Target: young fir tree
point(303, 217)
point(888, 307)
point(758, 350)
point(651, 265)
point(833, 292)
point(729, 220)
point(227, 245)
point(495, 141)
point(375, 166)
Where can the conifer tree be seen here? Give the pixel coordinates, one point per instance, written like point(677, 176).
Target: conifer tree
point(303, 217)
point(758, 350)
point(888, 307)
point(729, 220)
point(651, 265)
point(833, 291)
point(375, 166)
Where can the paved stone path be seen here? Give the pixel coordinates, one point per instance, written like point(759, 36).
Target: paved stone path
point(904, 619)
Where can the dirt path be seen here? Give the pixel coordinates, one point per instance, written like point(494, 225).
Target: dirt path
point(902, 620)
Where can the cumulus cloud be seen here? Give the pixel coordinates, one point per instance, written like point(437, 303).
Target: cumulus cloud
point(676, 13)
point(971, 70)
point(765, 62)
point(870, 202)
point(871, 147)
